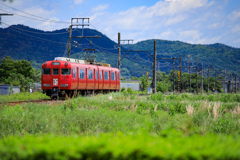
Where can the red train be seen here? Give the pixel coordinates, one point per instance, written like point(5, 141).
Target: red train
point(67, 77)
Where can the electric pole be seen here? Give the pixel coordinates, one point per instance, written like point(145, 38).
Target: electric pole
point(180, 73)
point(235, 84)
point(196, 77)
point(4, 14)
point(215, 86)
point(189, 77)
point(77, 22)
point(208, 81)
point(154, 68)
point(69, 41)
point(119, 50)
point(173, 75)
point(202, 80)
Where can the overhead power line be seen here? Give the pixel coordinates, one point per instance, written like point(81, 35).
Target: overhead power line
point(43, 19)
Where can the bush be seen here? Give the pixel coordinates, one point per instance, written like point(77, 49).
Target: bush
point(129, 90)
point(123, 89)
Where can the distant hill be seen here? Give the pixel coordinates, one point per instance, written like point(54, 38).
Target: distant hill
point(22, 42)
point(217, 56)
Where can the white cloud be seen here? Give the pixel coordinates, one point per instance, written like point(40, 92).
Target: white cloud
point(234, 15)
point(214, 25)
point(165, 35)
point(191, 34)
point(175, 20)
point(77, 1)
point(236, 29)
point(100, 8)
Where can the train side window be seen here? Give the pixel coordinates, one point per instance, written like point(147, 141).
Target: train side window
point(65, 71)
point(112, 76)
point(90, 75)
point(100, 75)
point(55, 71)
point(118, 76)
point(46, 71)
point(96, 74)
point(106, 75)
point(81, 74)
point(74, 73)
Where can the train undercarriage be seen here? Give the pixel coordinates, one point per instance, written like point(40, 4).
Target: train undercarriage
point(56, 93)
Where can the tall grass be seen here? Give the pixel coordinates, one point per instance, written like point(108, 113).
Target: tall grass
point(23, 96)
point(129, 114)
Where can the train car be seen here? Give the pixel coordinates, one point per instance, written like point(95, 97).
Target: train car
point(67, 77)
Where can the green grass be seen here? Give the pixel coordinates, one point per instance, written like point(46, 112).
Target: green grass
point(121, 146)
point(119, 112)
point(23, 96)
point(124, 126)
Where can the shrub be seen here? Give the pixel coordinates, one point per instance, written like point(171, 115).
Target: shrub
point(129, 90)
point(123, 89)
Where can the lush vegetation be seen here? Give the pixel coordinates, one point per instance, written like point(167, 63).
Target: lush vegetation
point(124, 126)
point(119, 146)
point(18, 73)
point(165, 83)
point(23, 96)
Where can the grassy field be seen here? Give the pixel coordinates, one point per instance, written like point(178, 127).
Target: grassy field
point(23, 96)
point(124, 126)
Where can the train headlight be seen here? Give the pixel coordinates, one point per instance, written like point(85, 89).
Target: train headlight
point(66, 64)
point(46, 85)
point(64, 85)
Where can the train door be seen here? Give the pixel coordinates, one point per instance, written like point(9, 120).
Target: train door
point(94, 79)
point(86, 78)
point(116, 80)
point(103, 82)
point(109, 77)
point(77, 73)
point(97, 79)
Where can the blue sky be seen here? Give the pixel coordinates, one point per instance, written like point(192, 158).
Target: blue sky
point(191, 21)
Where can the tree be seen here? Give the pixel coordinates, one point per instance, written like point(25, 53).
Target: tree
point(143, 80)
point(19, 72)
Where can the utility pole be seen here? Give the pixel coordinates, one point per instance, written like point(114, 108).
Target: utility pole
point(202, 80)
point(196, 77)
point(119, 50)
point(4, 14)
point(173, 75)
point(77, 22)
point(230, 82)
point(189, 77)
point(235, 84)
point(69, 41)
point(154, 68)
point(215, 86)
point(180, 73)
point(208, 82)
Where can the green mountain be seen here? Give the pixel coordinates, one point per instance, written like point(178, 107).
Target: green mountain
point(22, 42)
point(216, 56)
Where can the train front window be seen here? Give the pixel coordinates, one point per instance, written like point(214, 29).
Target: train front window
point(55, 71)
point(65, 71)
point(46, 71)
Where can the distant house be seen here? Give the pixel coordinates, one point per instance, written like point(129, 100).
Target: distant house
point(5, 89)
point(133, 86)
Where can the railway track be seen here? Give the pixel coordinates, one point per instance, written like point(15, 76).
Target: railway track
point(47, 101)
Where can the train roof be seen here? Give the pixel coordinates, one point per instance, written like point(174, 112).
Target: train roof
point(80, 61)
